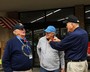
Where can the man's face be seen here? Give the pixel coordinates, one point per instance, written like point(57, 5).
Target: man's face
point(70, 27)
point(21, 32)
point(49, 35)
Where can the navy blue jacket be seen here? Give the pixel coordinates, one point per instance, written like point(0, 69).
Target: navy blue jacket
point(14, 58)
point(75, 45)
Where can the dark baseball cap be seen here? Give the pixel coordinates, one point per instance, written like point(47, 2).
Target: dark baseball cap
point(71, 18)
point(18, 26)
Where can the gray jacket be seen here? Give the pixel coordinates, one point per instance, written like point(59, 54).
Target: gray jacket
point(50, 59)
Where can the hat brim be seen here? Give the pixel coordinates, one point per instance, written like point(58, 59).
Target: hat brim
point(19, 27)
point(46, 30)
point(65, 21)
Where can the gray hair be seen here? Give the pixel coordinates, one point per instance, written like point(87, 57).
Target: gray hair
point(15, 32)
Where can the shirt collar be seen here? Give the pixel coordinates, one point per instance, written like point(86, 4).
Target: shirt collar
point(20, 37)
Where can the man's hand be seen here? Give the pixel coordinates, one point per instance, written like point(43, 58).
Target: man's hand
point(55, 39)
point(62, 70)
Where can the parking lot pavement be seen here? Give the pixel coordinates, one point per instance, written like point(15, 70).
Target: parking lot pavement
point(37, 70)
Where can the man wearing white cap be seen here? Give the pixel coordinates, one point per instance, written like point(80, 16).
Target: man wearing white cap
point(51, 60)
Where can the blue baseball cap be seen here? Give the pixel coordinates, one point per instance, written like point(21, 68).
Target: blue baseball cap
point(50, 29)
